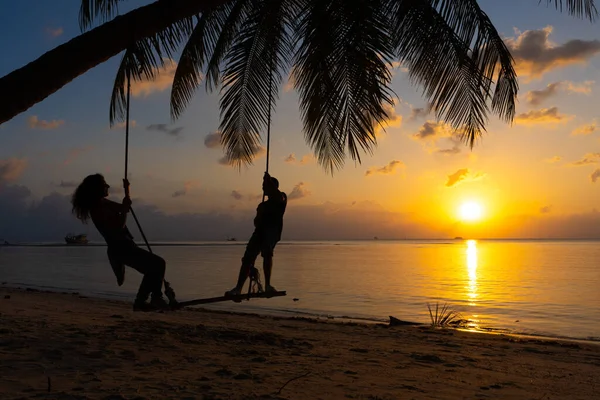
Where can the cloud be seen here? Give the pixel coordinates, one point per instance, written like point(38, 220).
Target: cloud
point(55, 32)
point(543, 116)
point(291, 82)
point(299, 191)
point(163, 81)
point(26, 218)
point(393, 119)
point(455, 140)
point(67, 184)
point(187, 186)
point(420, 112)
point(35, 123)
point(545, 209)
point(291, 159)
point(582, 88)
point(432, 130)
point(455, 178)
point(213, 140)
point(236, 195)
point(258, 152)
point(589, 158)
point(12, 169)
point(537, 97)
point(388, 169)
point(463, 175)
point(554, 159)
point(121, 125)
point(595, 175)
point(585, 129)
point(536, 55)
point(165, 129)
point(74, 154)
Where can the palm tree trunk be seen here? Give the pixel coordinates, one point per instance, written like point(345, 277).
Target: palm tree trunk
point(28, 85)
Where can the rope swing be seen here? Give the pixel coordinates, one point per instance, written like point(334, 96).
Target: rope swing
point(169, 292)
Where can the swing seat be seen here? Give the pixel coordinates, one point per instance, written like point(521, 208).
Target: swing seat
point(237, 299)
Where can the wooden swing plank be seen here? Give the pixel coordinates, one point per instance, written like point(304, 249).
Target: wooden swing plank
point(239, 298)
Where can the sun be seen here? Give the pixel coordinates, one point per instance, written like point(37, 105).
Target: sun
point(470, 211)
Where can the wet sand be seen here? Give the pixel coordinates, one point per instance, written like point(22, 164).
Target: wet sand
point(63, 346)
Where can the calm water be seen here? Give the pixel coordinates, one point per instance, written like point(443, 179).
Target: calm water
point(535, 287)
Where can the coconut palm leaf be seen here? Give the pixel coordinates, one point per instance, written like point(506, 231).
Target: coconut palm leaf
point(577, 8)
point(342, 75)
point(253, 71)
point(143, 61)
point(91, 10)
point(211, 27)
point(236, 16)
point(456, 79)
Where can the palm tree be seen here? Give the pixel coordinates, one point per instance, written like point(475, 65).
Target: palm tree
point(339, 53)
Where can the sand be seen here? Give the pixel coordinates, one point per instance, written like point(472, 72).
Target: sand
point(64, 346)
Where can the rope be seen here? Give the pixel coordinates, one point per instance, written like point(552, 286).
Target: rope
point(169, 292)
point(127, 155)
point(269, 118)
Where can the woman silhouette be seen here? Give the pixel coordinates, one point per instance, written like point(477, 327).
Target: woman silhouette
point(89, 201)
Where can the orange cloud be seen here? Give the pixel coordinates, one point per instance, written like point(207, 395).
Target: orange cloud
point(388, 169)
point(536, 55)
point(163, 81)
point(543, 116)
point(187, 186)
point(121, 125)
point(11, 169)
point(554, 159)
point(258, 152)
point(299, 191)
point(55, 32)
point(585, 129)
point(306, 159)
point(589, 158)
point(35, 123)
point(432, 130)
point(536, 97)
point(463, 175)
point(393, 119)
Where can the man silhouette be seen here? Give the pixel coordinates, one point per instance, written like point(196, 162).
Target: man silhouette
point(268, 225)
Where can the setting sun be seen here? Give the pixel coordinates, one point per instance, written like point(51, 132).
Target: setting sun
point(470, 211)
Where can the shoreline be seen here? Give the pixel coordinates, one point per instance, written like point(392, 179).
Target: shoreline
point(57, 345)
point(285, 314)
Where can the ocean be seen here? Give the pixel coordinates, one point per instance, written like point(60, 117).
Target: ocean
point(547, 288)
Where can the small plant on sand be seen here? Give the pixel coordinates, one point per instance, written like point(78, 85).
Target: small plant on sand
point(443, 316)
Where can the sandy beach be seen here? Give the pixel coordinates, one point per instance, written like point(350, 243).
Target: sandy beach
point(64, 346)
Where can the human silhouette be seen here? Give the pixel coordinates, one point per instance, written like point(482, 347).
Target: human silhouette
point(268, 225)
point(109, 217)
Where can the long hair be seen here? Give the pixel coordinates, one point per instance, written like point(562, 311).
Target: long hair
point(87, 194)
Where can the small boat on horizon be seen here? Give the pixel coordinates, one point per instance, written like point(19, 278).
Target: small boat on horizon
point(76, 239)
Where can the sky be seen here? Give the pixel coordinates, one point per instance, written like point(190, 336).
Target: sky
point(537, 177)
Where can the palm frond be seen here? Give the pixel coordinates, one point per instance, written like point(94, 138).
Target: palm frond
point(231, 26)
point(254, 63)
point(91, 10)
point(199, 47)
point(143, 60)
point(577, 8)
point(453, 51)
point(444, 316)
point(342, 74)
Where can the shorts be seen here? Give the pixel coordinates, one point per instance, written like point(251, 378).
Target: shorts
point(261, 242)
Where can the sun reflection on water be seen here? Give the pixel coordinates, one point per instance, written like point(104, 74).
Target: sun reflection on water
point(472, 285)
